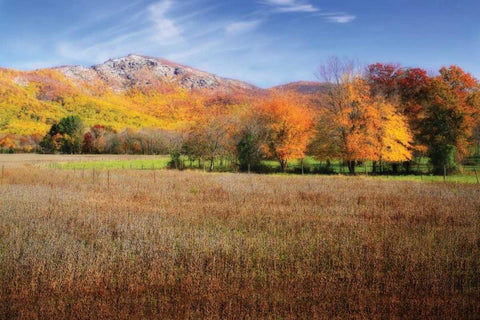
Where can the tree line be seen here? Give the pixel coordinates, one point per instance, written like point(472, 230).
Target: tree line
point(384, 114)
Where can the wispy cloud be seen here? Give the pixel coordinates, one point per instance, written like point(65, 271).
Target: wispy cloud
point(341, 18)
point(242, 27)
point(290, 6)
point(165, 28)
point(205, 34)
point(151, 27)
point(286, 6)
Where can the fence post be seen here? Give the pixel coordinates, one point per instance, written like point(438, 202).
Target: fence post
point(444, 173)
point(366, 170)
point(303, 172)
point(108, 179)
point(476, 175)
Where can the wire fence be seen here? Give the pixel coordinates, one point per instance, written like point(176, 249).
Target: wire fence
point(295, 167)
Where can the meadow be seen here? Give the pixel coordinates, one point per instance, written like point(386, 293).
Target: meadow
point(470, 174)
point(168, 244)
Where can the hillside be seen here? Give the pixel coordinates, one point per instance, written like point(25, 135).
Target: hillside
point(133, 91)
point(304, 87)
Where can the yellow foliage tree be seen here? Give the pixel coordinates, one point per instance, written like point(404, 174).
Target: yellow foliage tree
point(395, 135)
point(354, 126)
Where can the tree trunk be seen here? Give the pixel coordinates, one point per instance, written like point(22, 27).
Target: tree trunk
point(351, 167)
point(374, 167)
point(395, 168)
point(212, 161)
point(408, 166)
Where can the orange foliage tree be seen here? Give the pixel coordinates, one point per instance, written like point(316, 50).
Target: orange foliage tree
point(357, 125)
point(288, 126)
point(8, 142)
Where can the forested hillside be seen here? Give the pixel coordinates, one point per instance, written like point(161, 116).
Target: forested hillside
point(131, 92)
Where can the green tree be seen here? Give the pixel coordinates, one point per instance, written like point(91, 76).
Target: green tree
point(65, 136)
point(249, 152)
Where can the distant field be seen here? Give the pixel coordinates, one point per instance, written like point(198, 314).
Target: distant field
point(58, 161)
point(178, 245)
point(149, 162)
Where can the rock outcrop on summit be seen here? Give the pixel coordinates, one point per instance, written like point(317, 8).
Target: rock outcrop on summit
point(140, 71)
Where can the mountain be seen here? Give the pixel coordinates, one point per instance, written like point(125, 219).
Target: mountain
point(304, 87)
point(139, 71)
point(129, 92)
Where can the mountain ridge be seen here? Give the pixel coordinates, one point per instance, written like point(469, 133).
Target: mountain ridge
point(128, 92)
point(122, 73)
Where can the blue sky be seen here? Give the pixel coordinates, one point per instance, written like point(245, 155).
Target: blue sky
point(264, 42)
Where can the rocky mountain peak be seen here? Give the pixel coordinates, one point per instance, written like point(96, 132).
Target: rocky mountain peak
point(140, 71)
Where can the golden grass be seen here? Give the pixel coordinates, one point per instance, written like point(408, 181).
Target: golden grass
point(210, 246)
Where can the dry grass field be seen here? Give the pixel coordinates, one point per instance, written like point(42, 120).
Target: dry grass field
point(190, 245)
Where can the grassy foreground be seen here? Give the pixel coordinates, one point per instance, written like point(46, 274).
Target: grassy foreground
point(183, 245)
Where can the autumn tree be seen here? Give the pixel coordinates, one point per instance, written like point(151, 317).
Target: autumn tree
point(451, 117)
point(356, 124)
point(8, 143)
point(288, 126)
point(209, 136)
point(407, 89)
point(394, 135)
point(94, 140)
point(345, 120)
point(384, 79)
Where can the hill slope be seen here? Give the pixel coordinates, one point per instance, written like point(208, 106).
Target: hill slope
point(132, 91)
point(304, 87)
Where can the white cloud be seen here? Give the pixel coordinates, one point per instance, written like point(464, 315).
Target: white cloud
point(343, 18)
point(242, 27)
point(298, 8)
point(165, 28)
point(291, 6)
point(281, 2)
